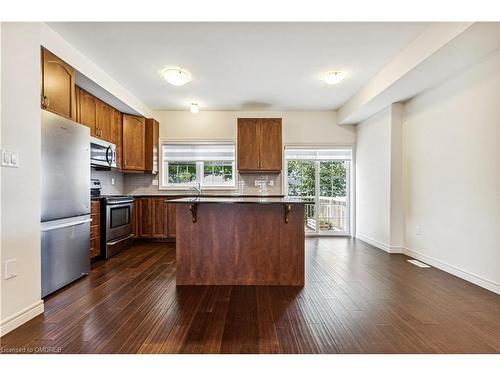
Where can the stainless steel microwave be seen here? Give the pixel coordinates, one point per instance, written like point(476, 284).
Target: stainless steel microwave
point(102, 153)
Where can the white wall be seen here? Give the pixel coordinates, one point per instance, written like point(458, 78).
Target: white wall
point(452, 174)
point(318, 127)
point(20, 187)
point(379, 200)
point(373, 168)
point(397, 221)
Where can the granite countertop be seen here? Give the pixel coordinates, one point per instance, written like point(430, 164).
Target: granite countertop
point(216, 195)
point(193, 195)
point(241, 199)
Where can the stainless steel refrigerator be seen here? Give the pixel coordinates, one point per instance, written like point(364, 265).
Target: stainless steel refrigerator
point(65, 211)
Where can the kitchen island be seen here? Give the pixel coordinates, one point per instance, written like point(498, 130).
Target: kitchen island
point(239, 241)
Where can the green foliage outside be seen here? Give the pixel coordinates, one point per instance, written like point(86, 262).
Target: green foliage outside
point(332, 176)
point(184, 172)
point(181, 172)
point(218, 169)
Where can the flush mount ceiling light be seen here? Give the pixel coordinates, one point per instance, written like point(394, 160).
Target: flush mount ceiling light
point(176, 76)
point(333, 78)
point(194, 108)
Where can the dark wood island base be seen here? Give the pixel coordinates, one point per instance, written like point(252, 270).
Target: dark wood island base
point(251, 241)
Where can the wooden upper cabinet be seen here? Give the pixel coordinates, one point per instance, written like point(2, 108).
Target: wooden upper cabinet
point(259, 145)
point(87, 110)
point(104, 120)
point(270, 145)
point(248, 145)
point(151, 145)
point(58, 86)
point(133, 143)
point(95, 114)
point(116, 136)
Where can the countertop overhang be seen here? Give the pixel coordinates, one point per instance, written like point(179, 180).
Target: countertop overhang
point(240, 200)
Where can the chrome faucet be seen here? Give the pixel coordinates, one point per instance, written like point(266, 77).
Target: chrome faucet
point(197, 188)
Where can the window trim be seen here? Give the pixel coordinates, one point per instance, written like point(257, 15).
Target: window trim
point(188, 186)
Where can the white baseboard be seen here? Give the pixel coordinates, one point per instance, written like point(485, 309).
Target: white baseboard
point(455, 271)
point(380, 245)
point(18, 319)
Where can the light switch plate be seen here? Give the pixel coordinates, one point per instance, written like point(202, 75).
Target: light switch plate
point(9, 159)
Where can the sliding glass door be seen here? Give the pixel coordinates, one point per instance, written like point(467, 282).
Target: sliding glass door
point(321, 176)
point(301, 182)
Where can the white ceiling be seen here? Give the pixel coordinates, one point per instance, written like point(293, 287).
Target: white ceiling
point(235, 66)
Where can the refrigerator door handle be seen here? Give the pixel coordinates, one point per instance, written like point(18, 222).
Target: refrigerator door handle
point(48, 226)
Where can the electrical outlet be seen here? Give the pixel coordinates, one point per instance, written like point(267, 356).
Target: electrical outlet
point(418, 230)
point(271, 183)
point(112, 180)
point(10, 268)
point(154, 182)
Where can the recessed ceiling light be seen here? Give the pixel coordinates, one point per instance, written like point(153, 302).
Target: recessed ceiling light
point(194, 108)
point(176, 76)
point(333, 78)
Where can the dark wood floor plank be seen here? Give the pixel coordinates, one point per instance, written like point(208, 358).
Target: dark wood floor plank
point(241, 332)
point(357, 299)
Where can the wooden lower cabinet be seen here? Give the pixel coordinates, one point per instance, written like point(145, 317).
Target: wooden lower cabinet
point(158, 218)
point(136, 218)
point(145, 230)
point(171, 210)
point(95, 229)
point(153, 218)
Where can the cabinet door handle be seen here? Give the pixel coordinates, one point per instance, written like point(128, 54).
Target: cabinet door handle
point(45, 102)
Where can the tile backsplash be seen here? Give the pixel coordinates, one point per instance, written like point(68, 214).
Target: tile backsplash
point(108, 188)
point(141, 184)
point(147, 184)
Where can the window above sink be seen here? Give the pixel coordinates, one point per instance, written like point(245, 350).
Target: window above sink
point(209, 164)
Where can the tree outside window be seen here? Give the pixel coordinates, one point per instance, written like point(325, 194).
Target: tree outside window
point(181, 172)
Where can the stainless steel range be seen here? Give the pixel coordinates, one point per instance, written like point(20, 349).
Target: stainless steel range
point(116, 224)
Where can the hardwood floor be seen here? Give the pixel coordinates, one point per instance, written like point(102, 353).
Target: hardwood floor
point(357, 299)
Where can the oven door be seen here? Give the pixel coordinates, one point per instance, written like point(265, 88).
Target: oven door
point(102, 153)
point(118, 220)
